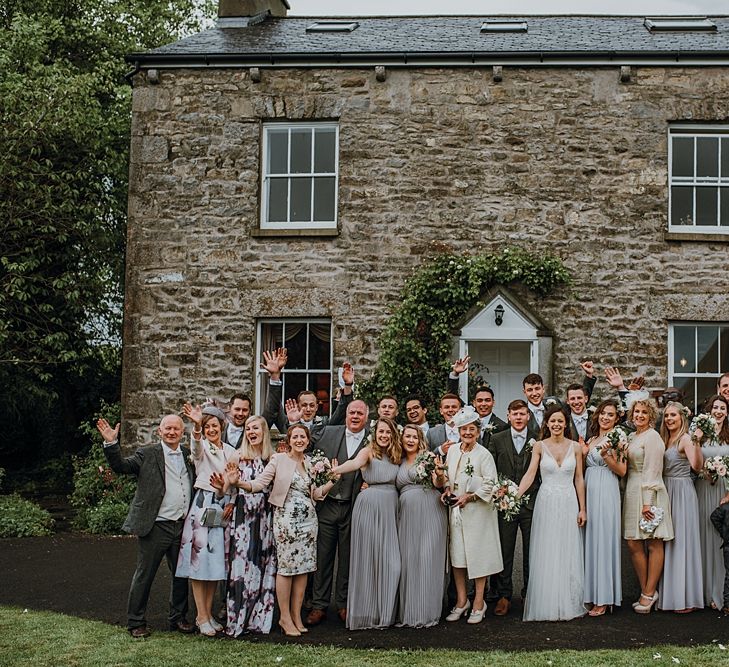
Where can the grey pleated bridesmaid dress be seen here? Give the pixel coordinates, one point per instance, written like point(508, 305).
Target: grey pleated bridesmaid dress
point(681, 586)
point(423, 535)
point(712, 561)
point(602, 533)
point(374, 562)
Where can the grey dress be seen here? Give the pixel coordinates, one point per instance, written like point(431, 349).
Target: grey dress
point(602, 533)
point(712, 563)
point(374, 561)
point(681, 586)
point(423, 534)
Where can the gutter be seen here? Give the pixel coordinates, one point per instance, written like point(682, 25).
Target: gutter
point(432, 59)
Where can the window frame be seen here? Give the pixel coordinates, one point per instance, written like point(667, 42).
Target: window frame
point(721, 183)
point(288, 224)
point(261, 375)
point(673, 374)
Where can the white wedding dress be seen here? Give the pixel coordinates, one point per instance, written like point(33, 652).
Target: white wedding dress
point(556, 561)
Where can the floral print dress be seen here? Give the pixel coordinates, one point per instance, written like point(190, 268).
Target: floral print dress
point(295, 528)
point(252, 580)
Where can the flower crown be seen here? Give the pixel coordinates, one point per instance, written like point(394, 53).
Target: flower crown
point(635, 396)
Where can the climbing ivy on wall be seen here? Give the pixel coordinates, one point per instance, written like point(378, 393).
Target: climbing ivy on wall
point(416, 345)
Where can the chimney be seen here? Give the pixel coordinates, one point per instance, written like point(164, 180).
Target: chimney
point(243, 8)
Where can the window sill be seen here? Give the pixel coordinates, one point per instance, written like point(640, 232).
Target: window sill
point(322, 233)
point(693, 236)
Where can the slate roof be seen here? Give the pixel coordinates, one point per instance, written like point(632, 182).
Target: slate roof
point(421, 39)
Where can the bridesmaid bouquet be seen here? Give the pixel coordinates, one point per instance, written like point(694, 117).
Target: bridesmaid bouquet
point(505, 498)
point(706, 423)
point(716, 467)
point(424, 468)
point(649, 526)
point(320, 470)
point(616, 441)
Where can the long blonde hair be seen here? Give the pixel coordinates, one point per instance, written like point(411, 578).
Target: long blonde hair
point(394, 450)
point(246, 451)
point(681, 409)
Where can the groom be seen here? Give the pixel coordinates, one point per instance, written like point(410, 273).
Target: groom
point(512, 454)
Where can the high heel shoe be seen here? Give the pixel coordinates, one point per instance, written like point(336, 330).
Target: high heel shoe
point(206, 629)
point(287, 633)
point(602, 609)
point(646, 608)
point(303, 630)
point(457, 612)
point(637, 602)
point(476, 616)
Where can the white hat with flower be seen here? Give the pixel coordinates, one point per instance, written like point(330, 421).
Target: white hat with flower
point(466, 415)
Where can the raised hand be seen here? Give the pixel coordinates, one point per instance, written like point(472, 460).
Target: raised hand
point(217, 481)
point(347, 373)
point(232, 474)
point(193, 413)
point(615, 380)
point(636, 383)
point(282, 357)
point(109, 434)
point(273, 362)
point(460, 365)
point(446, 446)
point(293, 414)
point(588, 368)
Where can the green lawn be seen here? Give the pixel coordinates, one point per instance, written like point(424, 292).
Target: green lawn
point(44, 639)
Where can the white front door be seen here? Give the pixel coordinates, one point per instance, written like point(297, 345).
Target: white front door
point(503, 365)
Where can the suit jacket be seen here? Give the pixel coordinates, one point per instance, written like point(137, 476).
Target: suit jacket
point(226, 439)
point(335, 419)
point(573, 432)
point(436, 436)
point(273, 411)
point(512, 464)
point(720, 518)
point(498, 426)
point(148, 466)
point(329, 439)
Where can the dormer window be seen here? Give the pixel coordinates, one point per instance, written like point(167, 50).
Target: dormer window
point(333, 26)
point(504, 26)
point(680, 24)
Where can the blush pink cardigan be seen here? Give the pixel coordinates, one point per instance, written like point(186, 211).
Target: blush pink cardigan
point(280, 470)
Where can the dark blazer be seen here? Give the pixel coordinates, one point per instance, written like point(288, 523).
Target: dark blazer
point(335, 419)
point(329, 439)
point(273, 411)
point(720, 518)
point(148, 466)
point(499, 426)
point(512, 464)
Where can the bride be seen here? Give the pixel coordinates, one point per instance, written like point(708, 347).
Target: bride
point(556, 562)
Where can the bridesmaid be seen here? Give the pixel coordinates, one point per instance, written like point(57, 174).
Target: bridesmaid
point(681, 588)
point(423, 533)
point(203, 549)
point(295, 525)
point(374, 564)
point(252, 554)
point(645, 489)
point(602, 532)
point(474, 546)
point(709, 495)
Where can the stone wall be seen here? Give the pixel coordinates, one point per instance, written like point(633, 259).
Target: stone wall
point(566, 160)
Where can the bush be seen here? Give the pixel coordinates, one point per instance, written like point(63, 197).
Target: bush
point(2, 477)
point(101, 497)
point(23, 518)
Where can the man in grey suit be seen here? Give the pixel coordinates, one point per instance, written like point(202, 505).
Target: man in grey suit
point(156, 515)
point(335, 511)
point(442, 436)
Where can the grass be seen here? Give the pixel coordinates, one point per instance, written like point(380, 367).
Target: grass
point(45, 639)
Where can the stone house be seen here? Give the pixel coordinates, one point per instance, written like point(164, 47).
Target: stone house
point(287, 175)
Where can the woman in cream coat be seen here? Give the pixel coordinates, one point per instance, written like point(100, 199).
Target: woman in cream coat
point(475, 549)
point(295, 524)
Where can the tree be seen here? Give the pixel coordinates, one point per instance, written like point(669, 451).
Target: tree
point(65, 116)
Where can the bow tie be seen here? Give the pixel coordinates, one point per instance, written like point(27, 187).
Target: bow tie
point(177, 452)
point(581, 418)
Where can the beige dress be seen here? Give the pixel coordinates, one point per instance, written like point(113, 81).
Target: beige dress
point(474, 529)
point(645, 486)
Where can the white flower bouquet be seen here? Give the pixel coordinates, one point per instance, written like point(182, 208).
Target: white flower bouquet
point(505, 498)
point(616, 441)
point(715, 468)
point(705, 423)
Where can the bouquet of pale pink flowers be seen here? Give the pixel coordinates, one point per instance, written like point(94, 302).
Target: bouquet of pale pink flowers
point(505, 498)
point(424, 468)
point(715, 468)
point(320, 469)
point(706, 424)
point(616, 441)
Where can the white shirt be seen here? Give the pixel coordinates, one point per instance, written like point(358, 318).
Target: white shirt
point(353, 441)
point(233, 434)
point(519, 438)
point(581, 424)
point(537, 411)
point(452, 433)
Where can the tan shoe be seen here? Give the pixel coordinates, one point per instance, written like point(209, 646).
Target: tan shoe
point(316, 616)
point(342, 613)
point(502, 607)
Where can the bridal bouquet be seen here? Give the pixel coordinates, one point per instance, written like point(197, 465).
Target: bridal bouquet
point(706, 423)
point(505, 498)
point(320, 469)
point(424, 468)
point(616, 441)
point(715, 468)
point(649, 526)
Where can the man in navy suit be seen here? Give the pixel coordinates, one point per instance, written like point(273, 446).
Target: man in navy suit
point(156, 516)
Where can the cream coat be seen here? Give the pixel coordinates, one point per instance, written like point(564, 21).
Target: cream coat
point(280, 470)
point(474, 527)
